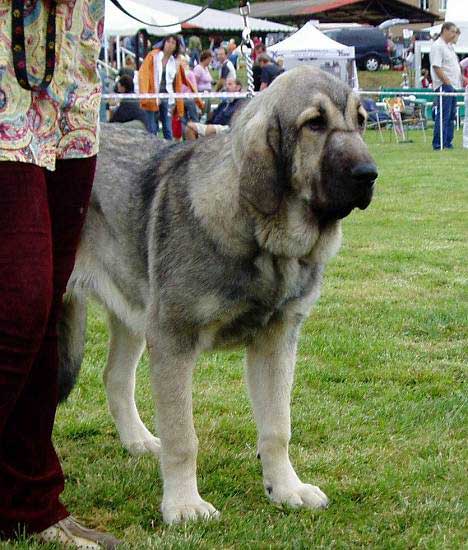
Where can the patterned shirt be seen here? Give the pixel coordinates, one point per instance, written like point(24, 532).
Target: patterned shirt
point(62, 121)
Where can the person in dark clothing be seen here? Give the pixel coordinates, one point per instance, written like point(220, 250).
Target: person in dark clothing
point(129, 68)
point(259, 49)
point(221, 117)
point(270, 70)
point(128, 110)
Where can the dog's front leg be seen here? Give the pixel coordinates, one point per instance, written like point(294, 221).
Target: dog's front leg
point(172, 369)
point(270, 371)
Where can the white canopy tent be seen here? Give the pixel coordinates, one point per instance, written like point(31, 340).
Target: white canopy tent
point(309, 45)
point(116, 23)
point(211, 19)
point(457, 12)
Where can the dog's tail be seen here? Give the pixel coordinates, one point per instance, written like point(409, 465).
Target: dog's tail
point(71, 330)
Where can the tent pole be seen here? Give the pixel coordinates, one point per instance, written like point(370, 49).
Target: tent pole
point(106, 53)
point(117, 50)
point(417, 63)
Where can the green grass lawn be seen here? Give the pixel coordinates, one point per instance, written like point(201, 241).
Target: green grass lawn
point(379, 405)
point(375, 80)
point(367, 80)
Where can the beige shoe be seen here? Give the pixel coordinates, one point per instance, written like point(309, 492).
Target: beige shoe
point(70, 533)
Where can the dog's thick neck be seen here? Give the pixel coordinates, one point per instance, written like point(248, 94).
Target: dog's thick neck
point(287, 233)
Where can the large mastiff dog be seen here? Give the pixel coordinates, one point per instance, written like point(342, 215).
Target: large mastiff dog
point(220, 242)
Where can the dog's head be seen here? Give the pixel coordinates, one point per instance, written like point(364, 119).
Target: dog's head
point(302, 137)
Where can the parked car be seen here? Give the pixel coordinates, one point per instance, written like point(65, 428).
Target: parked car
point(371, 45)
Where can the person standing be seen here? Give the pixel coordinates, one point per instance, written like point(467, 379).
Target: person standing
point(202, 73)
point(49, 108)
point(446, 77)
point(233, 55)
point(161, 72)
point(203, 76)
point(226, 69)
point(190, 107)
point(464, 68)
point(195, 48)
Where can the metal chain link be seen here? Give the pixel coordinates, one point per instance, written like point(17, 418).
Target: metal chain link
point(244, 9)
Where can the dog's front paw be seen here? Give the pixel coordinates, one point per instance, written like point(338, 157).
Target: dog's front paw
point(297, 495)
point(148, 445)
point(176, 513)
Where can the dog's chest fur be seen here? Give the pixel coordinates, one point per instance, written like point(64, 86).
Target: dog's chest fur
point(273, 284)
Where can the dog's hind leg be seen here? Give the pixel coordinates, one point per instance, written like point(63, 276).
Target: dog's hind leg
point(125, 351)
point(270, 371)
point(172, 361)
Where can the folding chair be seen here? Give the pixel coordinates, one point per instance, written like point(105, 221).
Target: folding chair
point(402, 114)
point(376, 119)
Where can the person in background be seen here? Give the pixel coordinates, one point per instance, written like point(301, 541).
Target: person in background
point(424, 80)
point(190, 107)
point(259, 49)
point(446, 77)
point(128, 110)
point(409, 61)
point(220, 118)
point(129, 68)
point(233, 56)
point(195, 48)
point(270, 70)
point(464, 68)
point(201, 72)
point(216, 41)
point(48, 146)
point(390, 45)
point(203, 76)
point(129, 43)
point(226, 69)
point(161, 72)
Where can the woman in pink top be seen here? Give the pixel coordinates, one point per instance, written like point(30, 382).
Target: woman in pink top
point(202, 73)
point(203, 76)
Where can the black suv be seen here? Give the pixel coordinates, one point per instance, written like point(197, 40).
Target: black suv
point(370, 44)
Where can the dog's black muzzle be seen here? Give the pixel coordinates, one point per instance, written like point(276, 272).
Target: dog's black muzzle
point(354, 190)
point(363, 177)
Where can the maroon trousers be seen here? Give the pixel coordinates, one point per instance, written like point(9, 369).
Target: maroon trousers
point(41, 216)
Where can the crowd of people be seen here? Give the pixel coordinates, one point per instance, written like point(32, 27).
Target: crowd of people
point(171, 67)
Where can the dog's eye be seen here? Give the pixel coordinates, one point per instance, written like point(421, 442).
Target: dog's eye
point(317, 124)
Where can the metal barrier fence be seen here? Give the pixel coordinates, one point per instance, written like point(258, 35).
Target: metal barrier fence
point(403, 94)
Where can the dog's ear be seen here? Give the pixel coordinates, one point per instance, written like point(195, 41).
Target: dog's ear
point(258, 150)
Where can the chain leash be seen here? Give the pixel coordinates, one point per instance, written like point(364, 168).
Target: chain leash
point(246, 44)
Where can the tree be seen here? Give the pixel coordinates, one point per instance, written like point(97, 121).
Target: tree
point(217, 4)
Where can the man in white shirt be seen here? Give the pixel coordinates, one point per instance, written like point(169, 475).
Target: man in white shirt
point(226, 69)
point(446, 77)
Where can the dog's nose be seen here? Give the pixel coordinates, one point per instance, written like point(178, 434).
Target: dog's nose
point(364, 173)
